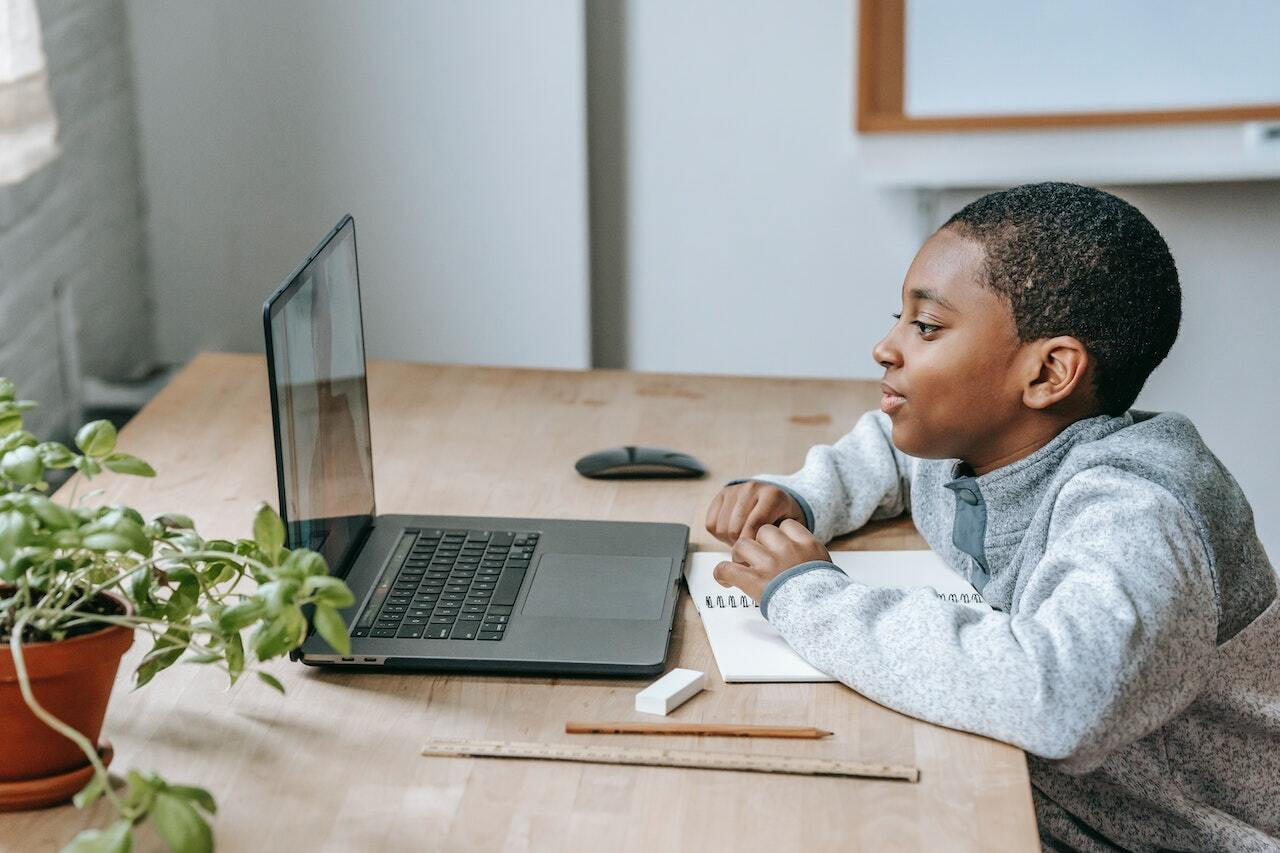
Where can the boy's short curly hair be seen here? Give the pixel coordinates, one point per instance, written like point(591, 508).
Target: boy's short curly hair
point(1078, 261)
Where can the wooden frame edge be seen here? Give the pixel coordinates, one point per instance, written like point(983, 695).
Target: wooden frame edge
point(879, 91)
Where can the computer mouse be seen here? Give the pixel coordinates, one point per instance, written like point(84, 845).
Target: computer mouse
point(638, 462)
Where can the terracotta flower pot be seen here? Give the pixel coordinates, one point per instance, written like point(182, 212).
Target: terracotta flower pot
point(72, 679)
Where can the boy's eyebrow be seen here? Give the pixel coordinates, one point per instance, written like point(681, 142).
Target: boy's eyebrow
point(926, 295)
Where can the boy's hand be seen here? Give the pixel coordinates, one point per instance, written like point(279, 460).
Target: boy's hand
point(755, 562)
point(739, 511)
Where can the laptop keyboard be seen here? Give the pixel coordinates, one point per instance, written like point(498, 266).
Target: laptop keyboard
point(448, 585)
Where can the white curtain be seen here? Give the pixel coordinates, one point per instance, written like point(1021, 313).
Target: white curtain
point(28, 129)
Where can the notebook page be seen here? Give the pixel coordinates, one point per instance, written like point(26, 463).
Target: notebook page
point(747, 648)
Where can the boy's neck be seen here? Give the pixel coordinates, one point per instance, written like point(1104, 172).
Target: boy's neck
point(1021, 441)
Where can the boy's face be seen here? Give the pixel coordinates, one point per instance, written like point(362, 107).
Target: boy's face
point(949, 385)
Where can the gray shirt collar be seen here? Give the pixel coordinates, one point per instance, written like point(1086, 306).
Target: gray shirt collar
point(994, 510)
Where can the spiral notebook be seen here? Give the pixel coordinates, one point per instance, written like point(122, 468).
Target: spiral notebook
point(747, 648)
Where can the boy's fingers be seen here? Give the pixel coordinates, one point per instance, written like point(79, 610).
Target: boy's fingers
point(738, 515)
point(758, 517)
point(728, 574)
point(795, 531)
point(713, 512)
point(772, 538)
point(748, 552)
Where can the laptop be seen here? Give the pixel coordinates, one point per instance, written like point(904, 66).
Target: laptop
point(443, 592)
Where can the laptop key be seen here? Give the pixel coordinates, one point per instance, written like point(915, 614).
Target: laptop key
point(442, 620)
point(410, 632)
point(474, 608)
point(508, 587)
point(383, 632)
point(489, 635)
point(437, 632)
point(463, 631)
point(497, 609)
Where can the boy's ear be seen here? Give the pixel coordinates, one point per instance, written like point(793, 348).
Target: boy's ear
point(1058, 368)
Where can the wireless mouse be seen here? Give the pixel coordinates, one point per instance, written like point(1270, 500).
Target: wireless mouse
point(638, 462)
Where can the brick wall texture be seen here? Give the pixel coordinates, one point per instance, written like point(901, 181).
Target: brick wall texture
point(76, 227)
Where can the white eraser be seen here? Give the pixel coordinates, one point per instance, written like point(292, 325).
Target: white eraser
point(670, 691)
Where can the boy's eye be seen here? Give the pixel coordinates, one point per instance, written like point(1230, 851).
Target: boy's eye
point(925, 328)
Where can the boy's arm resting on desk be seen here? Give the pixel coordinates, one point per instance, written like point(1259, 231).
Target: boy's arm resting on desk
point(842, 486)
point(1113, 635)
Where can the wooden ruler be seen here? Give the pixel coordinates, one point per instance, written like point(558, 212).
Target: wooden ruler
point(757, 762)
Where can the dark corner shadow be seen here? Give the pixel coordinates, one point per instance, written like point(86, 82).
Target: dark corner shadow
point(607, 162)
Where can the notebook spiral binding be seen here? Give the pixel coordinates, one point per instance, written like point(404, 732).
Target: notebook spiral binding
point(742, 601)
point(727, 601)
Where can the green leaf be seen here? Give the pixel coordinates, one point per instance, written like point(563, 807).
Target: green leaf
point(268, 532)
point(329, 590)
point(96, 438)
point(302, 563)
point(235, 657)
point(123, 463)
point(179, 824)
point(168, 648)
point(55, 455)
point(279, 595)
point(199, 796)
point(117, 838)
point(21, 438)
point(121, 529)
point(183, 599)
point(330, 625)
point(242, 615)
point(10, 422)
point(176, 520)
point(22, 465)
point(15, 531)
point(271, 680)
point(7, 390)
point(284, 632)
point(55, 516)
point(89, 793)
point(140, 586)
point(105, 540)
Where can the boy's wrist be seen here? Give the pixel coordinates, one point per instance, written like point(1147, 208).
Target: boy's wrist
point(790, 574)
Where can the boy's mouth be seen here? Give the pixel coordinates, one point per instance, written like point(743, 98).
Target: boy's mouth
point(891, 400)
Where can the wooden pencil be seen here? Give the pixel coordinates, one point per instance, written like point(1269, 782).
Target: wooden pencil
point(712, 729)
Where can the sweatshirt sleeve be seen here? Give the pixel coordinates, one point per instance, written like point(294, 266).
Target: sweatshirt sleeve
point(861, 477)
point(1111, 637)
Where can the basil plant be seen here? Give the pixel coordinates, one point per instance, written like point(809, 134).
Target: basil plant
point(215, 602)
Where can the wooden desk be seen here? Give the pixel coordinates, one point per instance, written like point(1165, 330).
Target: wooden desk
point(335, 765)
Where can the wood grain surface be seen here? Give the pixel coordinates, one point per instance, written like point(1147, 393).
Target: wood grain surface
point(336, 764)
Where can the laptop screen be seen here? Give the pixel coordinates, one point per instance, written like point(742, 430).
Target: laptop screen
point(320, 403)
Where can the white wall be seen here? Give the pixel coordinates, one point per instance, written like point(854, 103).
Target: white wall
point(454, 132)
point(755, 247)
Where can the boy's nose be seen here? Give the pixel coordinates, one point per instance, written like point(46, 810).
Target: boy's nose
point(885, 354)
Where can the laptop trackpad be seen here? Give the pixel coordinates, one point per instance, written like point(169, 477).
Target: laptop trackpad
point(598, 587)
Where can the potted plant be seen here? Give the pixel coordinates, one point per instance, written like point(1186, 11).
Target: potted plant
point(79, 579)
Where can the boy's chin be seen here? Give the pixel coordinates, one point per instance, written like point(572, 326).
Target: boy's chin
point(912, 443)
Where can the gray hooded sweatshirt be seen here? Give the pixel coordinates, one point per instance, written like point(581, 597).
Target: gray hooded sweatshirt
point(1134, 648)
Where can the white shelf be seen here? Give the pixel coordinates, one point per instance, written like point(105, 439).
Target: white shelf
point(1152, 154)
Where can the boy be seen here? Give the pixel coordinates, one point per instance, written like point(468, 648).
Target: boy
point(1134, 648)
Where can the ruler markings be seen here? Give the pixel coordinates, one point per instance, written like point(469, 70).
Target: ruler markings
point(756, 762)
